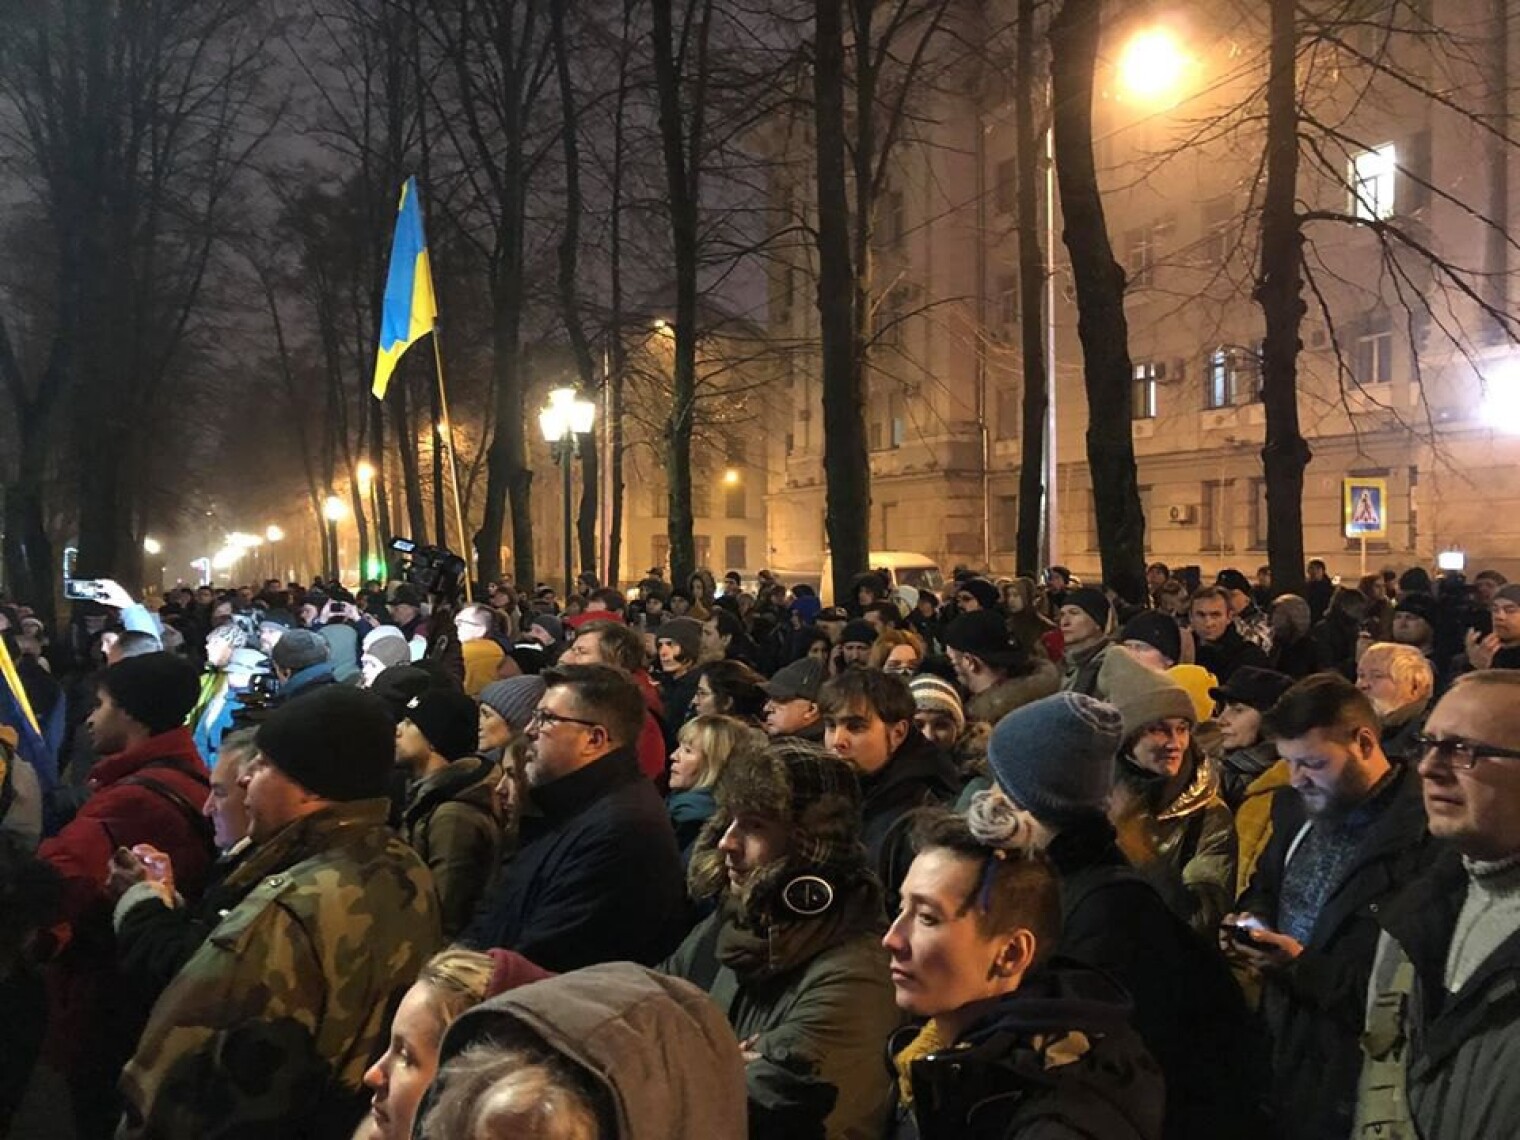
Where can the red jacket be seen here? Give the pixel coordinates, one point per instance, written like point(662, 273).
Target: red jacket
point(122, 812)
point(651, 745)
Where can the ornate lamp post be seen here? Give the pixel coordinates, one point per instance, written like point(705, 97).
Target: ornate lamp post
point(565, 417)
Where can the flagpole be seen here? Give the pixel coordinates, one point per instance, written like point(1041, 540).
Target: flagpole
point(448, 438)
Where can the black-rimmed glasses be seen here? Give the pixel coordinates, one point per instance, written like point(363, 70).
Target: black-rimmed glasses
point(543, 718)
point(1463, 754)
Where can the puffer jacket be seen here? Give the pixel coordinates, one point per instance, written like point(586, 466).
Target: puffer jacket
point(656, 1046)
point(1253, 821)
point(452, 821)
point(1188, 844)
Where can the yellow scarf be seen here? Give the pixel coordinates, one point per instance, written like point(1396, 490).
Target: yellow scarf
point(929, 1040)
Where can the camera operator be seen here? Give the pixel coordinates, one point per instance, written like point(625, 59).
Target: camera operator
point(406, 612)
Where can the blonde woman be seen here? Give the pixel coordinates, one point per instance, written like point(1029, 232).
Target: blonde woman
point(449, 983)
point(705, 744)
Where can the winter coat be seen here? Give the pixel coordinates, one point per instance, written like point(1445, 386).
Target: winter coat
point(304, 680)
point(917, 775)
point(1190, 842)
point(597, 877)
point(1296, 659)
point(817, 1009)
point(1253, 821)
point(676, 695)
point(1401, 730)
point(452, 821)
point(992, 705)
point(659, 1050)
point(269, 1027)
point(654, 747)
point(1188, 1009)
point(1228, 654)
point(1456, 1054)
point(1239, 769)
point(1314, 1007)
point(1057, 1059)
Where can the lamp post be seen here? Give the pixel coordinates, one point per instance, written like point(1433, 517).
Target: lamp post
point(333, 511)
point(563, 418)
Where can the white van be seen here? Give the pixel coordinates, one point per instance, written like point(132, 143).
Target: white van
point(899, 567)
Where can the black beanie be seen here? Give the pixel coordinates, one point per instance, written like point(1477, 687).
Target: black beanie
point(1155, 629)
point(336, 742)
point(448, 719)
point(157, 690)
point(1093, 602)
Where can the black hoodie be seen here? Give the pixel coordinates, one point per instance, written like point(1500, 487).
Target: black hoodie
point(1055, 1057)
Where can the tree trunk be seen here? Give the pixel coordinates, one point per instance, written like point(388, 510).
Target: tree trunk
point(617, 355)
point(383, 528)
point(846, 460)
point(1101, 325)
point(509, 479)
point(1032, 272)
point(1279, 292)
point(682, 162)
point(406, 450)
point(28, 550)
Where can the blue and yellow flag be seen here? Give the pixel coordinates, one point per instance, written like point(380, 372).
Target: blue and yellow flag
point(409, 310)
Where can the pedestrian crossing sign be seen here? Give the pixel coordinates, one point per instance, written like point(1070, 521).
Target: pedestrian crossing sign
point(1366, 507)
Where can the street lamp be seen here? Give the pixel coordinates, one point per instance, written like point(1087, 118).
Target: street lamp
point(152, 546)
point(364, 474)
point(563, 418)
point(273, 533)
point(334, 512)
point(1152, 64)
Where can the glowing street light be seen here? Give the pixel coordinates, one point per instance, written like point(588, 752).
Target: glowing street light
point(1152, 64)
point(1500, 407)
point(273, 533)
point(565, 417)
point(731, 477)
point(364, 474)
point(333, 509)
point(152, 546)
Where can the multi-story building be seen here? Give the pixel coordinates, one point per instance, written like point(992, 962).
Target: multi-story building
point(1403, 376)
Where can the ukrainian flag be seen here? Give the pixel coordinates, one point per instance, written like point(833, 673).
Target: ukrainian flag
point(409, 310)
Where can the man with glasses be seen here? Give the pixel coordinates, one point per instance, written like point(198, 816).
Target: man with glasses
point(1442, 1016)
point(598, 877)
point(1340, 848)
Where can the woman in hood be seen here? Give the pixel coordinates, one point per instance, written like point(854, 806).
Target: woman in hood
point(1010, 1045)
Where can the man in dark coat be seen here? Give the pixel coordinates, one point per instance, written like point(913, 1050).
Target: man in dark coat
point(598, 877)
point(868, 722)
point(1221, 648)
point(1353, 833)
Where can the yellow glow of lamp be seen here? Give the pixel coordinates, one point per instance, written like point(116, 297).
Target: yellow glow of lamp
point(1152, 64)
point(333, 509)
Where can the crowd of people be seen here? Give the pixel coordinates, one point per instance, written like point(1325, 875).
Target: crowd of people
point(1025, 860)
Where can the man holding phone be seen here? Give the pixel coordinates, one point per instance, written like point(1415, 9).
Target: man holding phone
point(1501, 648)
point(1351, 835)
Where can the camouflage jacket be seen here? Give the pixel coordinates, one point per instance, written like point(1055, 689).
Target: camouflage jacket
point(268, 1029)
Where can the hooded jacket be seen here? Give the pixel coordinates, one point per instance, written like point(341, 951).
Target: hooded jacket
point(1056, 1059)
point(597, 877)
point(1188, 1009)
point(1314, 1007)
point(659, 1049)
point(917, 775)
point(816, 1008)
point(452, 822)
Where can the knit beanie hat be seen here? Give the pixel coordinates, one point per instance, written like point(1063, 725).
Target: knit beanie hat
point(514, 699)
point(299, 649)
point(806, 607)
point(1422, 606)
point(684, 632)
point(1093, 602)
point(859, 631)
point(1157, 630)
point(1142, 695)
point(448, 719)
point(550, 625)
point(935, 694)
point(1055, 757)
point(1510, 593)
point(382, 633)
point(398, 685)
point(157, 690)
point(337, 742)
point(985, 593)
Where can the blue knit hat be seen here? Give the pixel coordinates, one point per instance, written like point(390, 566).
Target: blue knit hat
point(1055, 757)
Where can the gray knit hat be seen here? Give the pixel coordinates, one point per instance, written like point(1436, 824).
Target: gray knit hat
point(935, 694)
point(685, 633)
point(514, 699)
point(1055, 757)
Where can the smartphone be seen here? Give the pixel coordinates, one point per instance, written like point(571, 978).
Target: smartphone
point(84, 590)
point(1241, 934)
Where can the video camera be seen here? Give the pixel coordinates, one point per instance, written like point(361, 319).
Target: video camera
point(434, 569)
